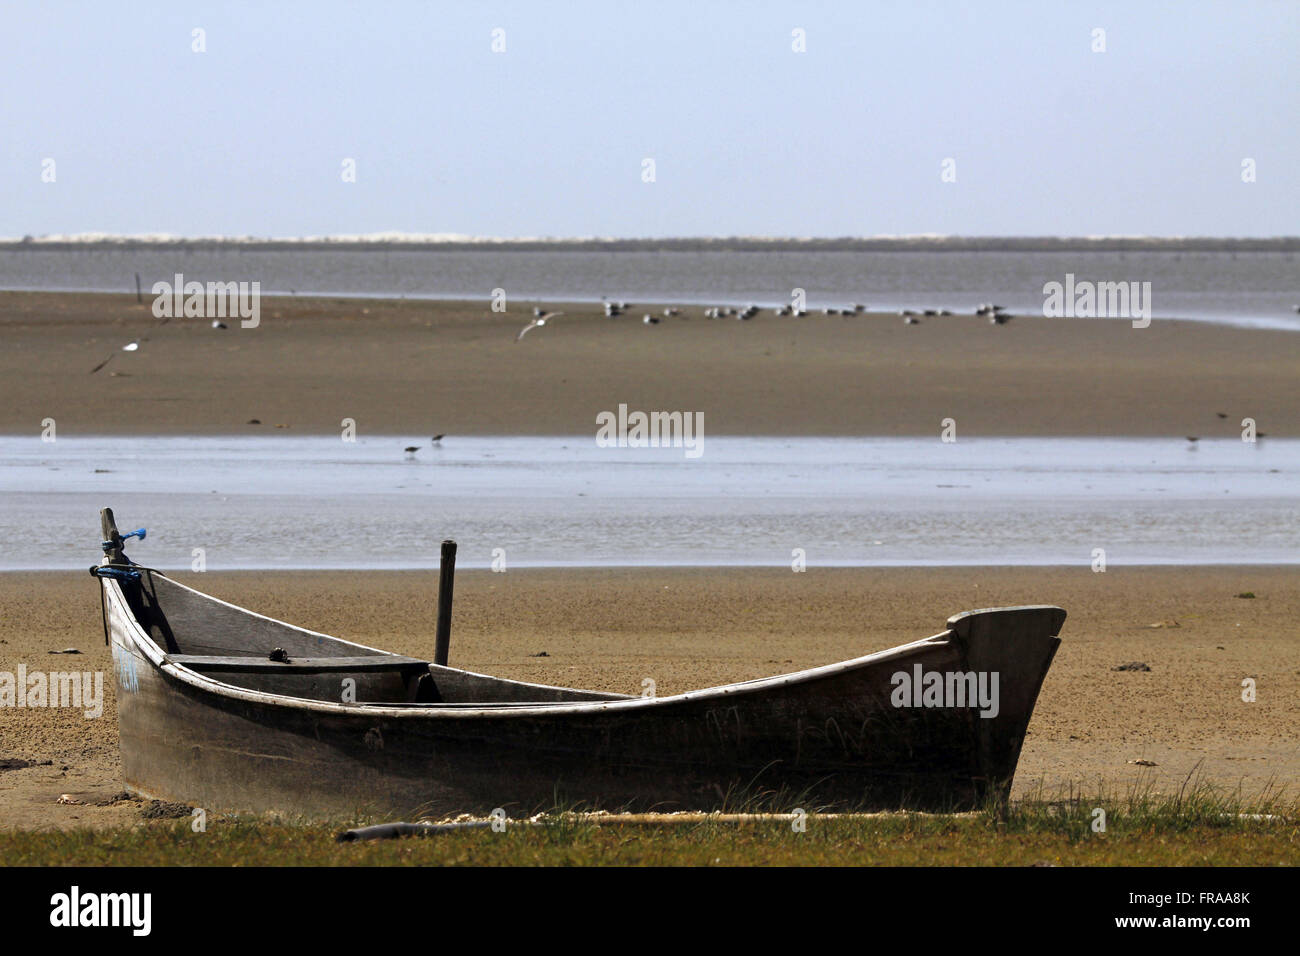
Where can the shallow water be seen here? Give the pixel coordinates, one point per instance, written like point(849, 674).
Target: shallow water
point(1241, 288)
point(315, 502)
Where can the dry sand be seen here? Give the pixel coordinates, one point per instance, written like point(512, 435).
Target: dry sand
point(612, 628)
point(416, 367)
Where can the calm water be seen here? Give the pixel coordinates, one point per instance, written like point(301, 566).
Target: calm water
point(1247, 288)
point(298, 502)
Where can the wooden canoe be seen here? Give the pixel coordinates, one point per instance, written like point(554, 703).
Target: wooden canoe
point(228, 710)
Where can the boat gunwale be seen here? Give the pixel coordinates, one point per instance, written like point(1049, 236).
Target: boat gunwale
point(402, 710)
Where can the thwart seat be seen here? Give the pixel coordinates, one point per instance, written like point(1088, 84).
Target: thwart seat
point(370, 678)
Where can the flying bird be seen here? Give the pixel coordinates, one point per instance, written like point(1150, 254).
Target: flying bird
point(537, 323)
point(132, 346)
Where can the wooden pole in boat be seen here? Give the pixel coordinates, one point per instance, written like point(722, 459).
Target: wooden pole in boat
point(448, 571)
point(109, 535)
point(138, 296)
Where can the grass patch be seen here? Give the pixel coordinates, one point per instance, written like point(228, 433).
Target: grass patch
point(1199, 826)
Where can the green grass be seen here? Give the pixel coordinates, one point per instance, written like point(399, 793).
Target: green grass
point(1200, 826)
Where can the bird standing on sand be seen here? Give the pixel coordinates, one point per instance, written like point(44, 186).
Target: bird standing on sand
point(537, 323)
point(650, 320)
point(999, 318)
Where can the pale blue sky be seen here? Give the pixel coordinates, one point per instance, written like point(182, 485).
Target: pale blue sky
point(748, 137)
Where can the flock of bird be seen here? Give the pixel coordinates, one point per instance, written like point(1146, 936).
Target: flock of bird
point(997, 314)
point(435, 442)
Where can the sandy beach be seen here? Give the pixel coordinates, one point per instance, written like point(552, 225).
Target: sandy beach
point(688, 628)
point(419, 367)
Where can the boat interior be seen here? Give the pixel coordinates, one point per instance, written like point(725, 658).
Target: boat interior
point(243, 649)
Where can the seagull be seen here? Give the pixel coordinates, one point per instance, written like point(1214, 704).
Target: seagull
point(537, 323)
point(131, 346)
point(999, 318)
point(911, 320)
point(218, 324)
point(650, 320)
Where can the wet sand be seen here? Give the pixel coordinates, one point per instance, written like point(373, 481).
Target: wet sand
point(684, 628)
point(419, 367)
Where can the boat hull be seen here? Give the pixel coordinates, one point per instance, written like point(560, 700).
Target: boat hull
point(832, 737)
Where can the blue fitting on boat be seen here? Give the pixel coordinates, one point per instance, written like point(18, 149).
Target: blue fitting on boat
point(119, 574)
point(108, 546)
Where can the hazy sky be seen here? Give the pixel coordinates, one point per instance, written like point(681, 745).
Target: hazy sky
point(748, 137)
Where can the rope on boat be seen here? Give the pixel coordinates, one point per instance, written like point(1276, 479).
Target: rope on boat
point(116, 572)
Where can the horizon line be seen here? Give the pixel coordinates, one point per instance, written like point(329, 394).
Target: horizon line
point(378, 239)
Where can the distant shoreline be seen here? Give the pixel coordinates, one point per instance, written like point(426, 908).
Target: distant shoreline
point(380, 243)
